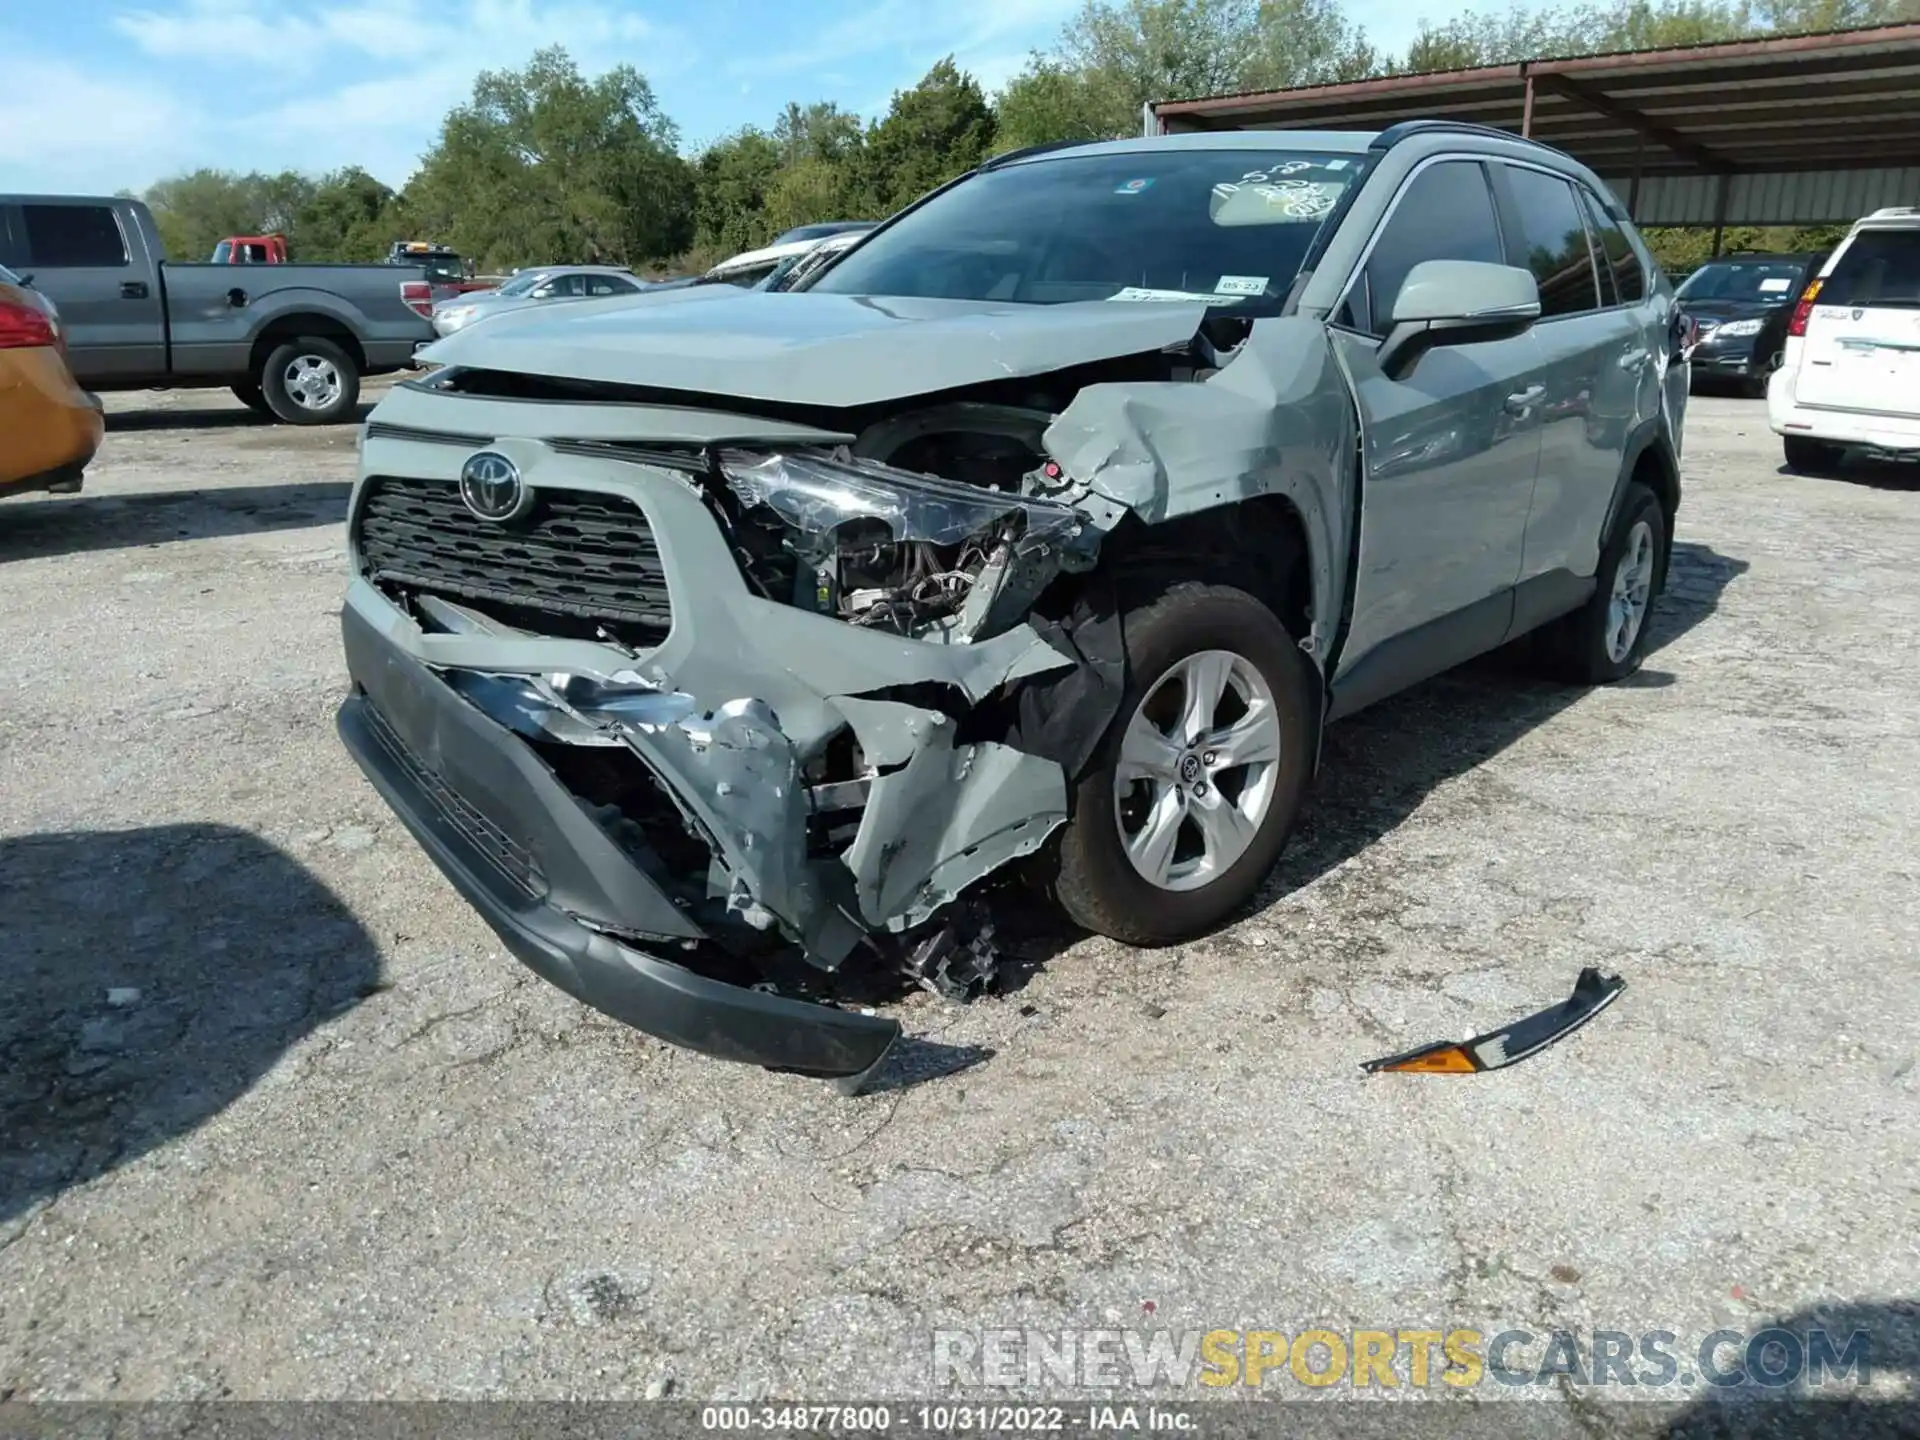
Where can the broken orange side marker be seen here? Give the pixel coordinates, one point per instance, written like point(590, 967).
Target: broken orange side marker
point(1510, 1044)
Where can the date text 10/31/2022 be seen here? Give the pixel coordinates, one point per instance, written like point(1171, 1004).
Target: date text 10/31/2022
point(946, 1419)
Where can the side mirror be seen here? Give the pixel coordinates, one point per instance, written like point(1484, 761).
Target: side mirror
point(1457, 302)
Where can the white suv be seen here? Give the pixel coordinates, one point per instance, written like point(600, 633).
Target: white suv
point(1850, 376)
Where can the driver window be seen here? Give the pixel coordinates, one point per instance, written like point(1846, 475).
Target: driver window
point(1444, 213)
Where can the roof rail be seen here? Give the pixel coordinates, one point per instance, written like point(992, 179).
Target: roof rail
point(1026, 152)
point(1407, 129)
point(1894, 212)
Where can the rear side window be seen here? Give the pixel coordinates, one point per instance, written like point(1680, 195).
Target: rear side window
point(1445, 213)
point(1617, 258)
point(73, 237)
point(1553, 242)
point(1880, 268)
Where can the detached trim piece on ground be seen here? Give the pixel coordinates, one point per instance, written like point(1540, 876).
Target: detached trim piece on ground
point(1510, 1044)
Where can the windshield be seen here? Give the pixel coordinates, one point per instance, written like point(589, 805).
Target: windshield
point(1880, 268)
point(448, 268)
point(1760, 282)
point(522, 284)
point(1229, 226)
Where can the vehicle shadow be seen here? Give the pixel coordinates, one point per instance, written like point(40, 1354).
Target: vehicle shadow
point(226, 417)
point(1870, 474)
point(68, 526)
point(1818, 1405)
point(1379, 765)
point(151, 978)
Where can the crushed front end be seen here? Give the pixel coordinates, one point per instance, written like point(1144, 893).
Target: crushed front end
point(697, 708)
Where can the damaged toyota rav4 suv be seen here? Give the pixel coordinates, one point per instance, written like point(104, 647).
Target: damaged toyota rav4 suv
point(722, 647)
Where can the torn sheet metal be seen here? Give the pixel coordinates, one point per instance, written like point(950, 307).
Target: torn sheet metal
point(1510, 1044)
point(1276, 419)
point(945, 817)
point(736, 775)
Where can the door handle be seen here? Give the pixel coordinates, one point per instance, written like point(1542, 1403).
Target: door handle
point(1521, 401)
point(133, 289)
point(1634, 360)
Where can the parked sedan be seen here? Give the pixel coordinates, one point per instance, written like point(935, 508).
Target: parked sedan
point(536, 287)
point(1740, 303)
point(49, 427)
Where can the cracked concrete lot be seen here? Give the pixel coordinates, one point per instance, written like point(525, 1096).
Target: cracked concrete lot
point(278, 1118)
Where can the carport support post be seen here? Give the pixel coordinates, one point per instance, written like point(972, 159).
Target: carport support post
point(1720, 194)
point(1633, 181)
point(1526, 111)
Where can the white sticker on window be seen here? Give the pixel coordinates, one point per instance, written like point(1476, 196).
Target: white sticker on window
point(1774, 287)
point(1136, 292)
point(1334, 165)
point(1241, 285)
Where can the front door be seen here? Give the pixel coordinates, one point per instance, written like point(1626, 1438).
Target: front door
point(81, 259)
point(1449, 449)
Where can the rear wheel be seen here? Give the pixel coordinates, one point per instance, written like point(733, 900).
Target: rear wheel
point(1607, 638)
point(310, 381)
point(1806, 456)
point(1196, 786)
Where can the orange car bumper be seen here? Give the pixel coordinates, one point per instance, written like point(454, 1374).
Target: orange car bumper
point(49, 427)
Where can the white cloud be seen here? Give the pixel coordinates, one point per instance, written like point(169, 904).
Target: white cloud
point(385, 123)
point(207, 30)
point(66, 129)
point(980, 32)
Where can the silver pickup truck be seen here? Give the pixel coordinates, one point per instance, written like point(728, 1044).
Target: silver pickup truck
point(293, 341)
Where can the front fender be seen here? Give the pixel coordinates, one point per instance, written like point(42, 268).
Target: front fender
point(1275, 419)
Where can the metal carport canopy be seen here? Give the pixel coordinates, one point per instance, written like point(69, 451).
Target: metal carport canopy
point(1794, 129)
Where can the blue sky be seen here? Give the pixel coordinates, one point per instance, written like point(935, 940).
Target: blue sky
point(108, 94)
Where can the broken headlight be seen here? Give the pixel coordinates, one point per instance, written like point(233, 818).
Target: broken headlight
point(894, 549)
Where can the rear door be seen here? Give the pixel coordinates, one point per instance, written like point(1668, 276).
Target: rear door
point(1593, 360)
point(82, 259)
point(1862, 347)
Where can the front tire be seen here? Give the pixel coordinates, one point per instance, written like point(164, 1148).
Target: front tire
point(1607, 638)
point(310, 381)
point(1811, 457)
point(1197, 785)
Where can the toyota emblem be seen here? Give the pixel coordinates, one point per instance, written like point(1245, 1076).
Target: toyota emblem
point(490, 484)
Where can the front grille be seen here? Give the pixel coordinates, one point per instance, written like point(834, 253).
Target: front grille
point(509, 856)
point(580, 554)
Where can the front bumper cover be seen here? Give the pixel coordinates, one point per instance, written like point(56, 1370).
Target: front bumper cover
point(521, 849)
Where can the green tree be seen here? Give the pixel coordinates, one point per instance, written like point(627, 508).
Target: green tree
point(543, 164)
point(197, 210)
point(940, 128)
point(1116, 56)
point(733, 178)
point(1049, 101)
point(820, 131)
point(348, 215)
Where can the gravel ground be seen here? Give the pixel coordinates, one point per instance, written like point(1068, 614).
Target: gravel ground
point(281, 1119)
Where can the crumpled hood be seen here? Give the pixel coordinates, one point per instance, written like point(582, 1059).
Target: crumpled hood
point(834, 351)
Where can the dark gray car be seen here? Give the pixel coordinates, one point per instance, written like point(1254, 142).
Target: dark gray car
point(292, 341)
point(724, 646)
